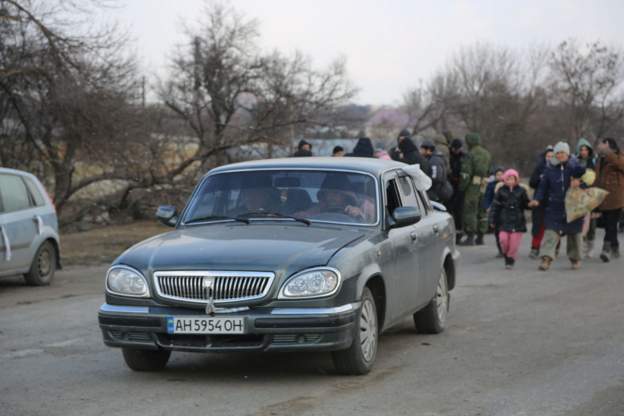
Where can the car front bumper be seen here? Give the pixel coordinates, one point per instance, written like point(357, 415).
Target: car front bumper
point(266, 329)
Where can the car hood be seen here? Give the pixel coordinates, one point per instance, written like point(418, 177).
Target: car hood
point(280, 248)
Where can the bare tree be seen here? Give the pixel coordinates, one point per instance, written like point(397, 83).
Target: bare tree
point(230, 94)
point(586, 85)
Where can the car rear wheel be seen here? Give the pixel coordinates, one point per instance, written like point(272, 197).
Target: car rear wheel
point(432, 318)
point(43, 266)
point(360, 357)
point(146, 360)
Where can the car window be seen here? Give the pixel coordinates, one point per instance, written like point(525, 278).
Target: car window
point(327, 196)
point(34, 192)
point(392, 196)
point(14, 194)
point(408, 195)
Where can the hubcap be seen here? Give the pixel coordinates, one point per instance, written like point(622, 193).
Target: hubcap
point(442, 298)
point(45, 262)
point(368, 330)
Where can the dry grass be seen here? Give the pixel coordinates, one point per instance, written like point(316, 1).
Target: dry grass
point(102, 245)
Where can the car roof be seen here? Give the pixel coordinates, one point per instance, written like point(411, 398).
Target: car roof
point(18, 172)
point(369, 165)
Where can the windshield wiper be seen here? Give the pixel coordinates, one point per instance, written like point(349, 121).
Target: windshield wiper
point(216, 218)
point(274, 215)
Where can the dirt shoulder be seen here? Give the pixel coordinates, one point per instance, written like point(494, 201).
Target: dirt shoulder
point(102, 245)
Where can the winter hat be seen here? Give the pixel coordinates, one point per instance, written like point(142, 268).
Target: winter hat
point(511, 172)
point(562, 147)
point(577, 172)
point(473, 139)
point(457, 144)
point(404, 133)
point(428, 144)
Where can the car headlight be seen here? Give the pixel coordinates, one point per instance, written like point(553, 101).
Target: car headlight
point(312, 283)
point(125, 281)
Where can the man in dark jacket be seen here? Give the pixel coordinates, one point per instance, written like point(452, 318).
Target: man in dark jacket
point(441, 190)
point(410, 153)
point(363, 148)
point(303, 149)
point(456, 204)
point(537, 215)
point(551, 192)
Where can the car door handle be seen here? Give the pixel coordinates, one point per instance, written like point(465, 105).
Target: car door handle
point(414, 235)
point(436, 229)
point(7, 244)
point(39, 221)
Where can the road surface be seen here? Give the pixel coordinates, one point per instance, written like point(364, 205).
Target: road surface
point(519, 342)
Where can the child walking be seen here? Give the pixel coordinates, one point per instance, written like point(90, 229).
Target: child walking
point(507, 215)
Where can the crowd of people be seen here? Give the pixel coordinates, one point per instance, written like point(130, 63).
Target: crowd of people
point(483, 198)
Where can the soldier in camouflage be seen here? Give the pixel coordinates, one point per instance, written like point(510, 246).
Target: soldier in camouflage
point(473, 181)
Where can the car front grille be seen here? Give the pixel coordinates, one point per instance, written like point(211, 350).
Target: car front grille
point(221, 287)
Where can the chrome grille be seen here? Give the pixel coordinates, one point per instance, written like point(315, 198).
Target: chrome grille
point(222, 287)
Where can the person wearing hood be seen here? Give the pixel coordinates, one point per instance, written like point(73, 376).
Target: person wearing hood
point(506, 215)
point(303, 149)
point(587, 159)
point(537, 215)
point(610, 170)
point(363, 148)
point(442, 148)
point(474, 174)
point(456, 204)
point(441, 190)
point(410, 153)
point(562, 173)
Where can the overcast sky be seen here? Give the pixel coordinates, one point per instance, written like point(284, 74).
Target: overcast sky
point(389, 45)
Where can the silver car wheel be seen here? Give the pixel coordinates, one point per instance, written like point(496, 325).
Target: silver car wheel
point(442, 298)
point(368, 329)
point(44, 262)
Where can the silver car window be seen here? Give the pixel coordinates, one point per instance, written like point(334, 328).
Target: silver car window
point(34, 192)
point(14, 194)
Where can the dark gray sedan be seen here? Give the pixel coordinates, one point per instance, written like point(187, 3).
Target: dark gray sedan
point(286, 255)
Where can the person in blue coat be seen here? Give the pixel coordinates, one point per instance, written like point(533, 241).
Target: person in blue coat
point(551, 193)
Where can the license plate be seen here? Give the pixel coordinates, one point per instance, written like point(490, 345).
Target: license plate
point(205, 325)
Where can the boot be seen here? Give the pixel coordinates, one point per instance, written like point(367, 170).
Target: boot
point(576, 264)
point(615, 251)
point(469, 241)
point(509, 263)
point(534, 254)
point(545, 264)
point(604, 256)
point(479, 241)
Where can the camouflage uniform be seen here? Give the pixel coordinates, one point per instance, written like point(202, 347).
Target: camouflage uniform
point(473, 181)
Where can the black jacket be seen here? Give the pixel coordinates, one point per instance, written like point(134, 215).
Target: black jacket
point(455, 173)
point(363, 148)
point(412, 156)
point(538, 171)
point(507, 210)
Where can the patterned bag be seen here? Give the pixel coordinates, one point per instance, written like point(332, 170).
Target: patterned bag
point(580, 202)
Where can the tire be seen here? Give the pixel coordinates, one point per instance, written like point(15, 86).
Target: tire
point(359, 358)
point(146, 360)
point(43, 266)
point(432, 318)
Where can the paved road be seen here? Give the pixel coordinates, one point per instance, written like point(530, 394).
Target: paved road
point(518, 343)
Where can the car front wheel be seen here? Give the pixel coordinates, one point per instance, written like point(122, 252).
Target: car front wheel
point(146, 360)
point(359, 358)
point(43, 266)
point(432, 318)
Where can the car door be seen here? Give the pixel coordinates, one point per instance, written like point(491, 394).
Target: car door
point(430, 229)
point(404, 273)
point(18, 225)
point(421, 240)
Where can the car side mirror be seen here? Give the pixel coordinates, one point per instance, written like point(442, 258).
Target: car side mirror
point(405, 216)
point(167, 214)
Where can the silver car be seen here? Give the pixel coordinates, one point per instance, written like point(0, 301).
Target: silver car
point(29, 239)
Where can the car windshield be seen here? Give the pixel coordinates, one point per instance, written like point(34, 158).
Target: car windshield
point(327, 196)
